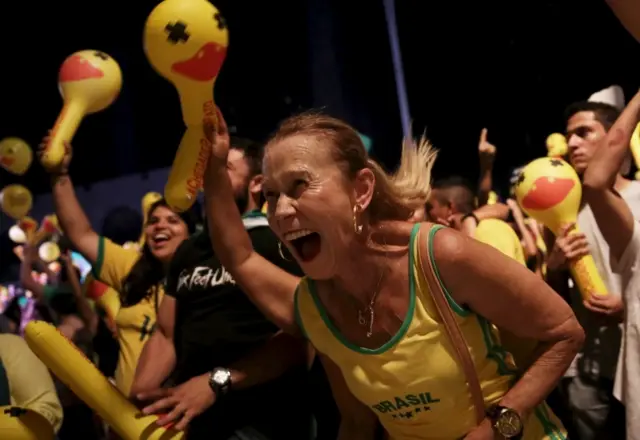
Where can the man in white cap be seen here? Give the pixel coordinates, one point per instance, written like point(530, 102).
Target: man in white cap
point(589, 381)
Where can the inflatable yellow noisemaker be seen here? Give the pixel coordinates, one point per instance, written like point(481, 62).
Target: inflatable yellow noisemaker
point(549, 191)
point(72, 368)
point(186, 42)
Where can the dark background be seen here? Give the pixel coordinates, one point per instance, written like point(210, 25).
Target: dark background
point(509, 66)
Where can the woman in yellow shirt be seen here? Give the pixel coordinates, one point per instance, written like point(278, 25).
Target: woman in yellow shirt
point(138, 276)
point(366, 304)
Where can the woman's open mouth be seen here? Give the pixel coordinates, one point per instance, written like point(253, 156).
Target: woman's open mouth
point(306, 243)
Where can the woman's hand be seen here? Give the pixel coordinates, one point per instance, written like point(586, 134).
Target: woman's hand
point(182, 403)
point(217, 135)
point(66, 257)
point(63, 168)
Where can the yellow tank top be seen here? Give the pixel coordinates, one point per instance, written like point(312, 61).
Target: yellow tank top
point(413, 382)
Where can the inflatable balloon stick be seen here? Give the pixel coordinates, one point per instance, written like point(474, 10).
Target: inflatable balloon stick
point(147, 201)
point(89, 82)
point(23, 424)
point(48, 227)
point(15, 155)
point(186, 42)
point(15, 201)
point(635, 149)
point(72, 368)
point(557, 145)
point(549, 190)
point(29, 226)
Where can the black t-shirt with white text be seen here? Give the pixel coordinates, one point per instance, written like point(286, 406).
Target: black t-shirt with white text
point(216, 325)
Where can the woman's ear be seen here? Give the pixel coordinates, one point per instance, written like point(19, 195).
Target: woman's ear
point(364, 186)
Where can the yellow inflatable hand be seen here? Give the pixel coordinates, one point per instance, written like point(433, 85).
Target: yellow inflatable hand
point(15, 155)
point(22, 424)
point(549, 190)
point(16, 201)
point(71, 366)
point(186, 42)
point(89, 82)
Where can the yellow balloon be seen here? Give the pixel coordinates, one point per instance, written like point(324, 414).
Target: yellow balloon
point(49, 252)
point(549, 191)
point(80, 374)
point(89, 82)
point(15, 155)
point(23, 424)
point(556, 145)
point(186, 42)
point(635, 149)
point(16, 201)
point(493, 198)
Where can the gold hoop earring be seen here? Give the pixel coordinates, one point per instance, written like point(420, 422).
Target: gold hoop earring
point(282, 253)
point(357, 228)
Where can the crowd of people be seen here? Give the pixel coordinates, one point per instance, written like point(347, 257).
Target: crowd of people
point(320, 297)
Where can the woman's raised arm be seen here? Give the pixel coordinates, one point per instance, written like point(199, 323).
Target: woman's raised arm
point(73, 220)
point(269, 287)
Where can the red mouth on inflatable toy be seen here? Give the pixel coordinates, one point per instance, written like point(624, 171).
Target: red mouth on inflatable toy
point(6, 160)
point(49, 226)
point(204, 65)
point(547, 192)
point(27, 225)
point(76, 68)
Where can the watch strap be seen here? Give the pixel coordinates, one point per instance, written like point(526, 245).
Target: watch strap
point(470, 215)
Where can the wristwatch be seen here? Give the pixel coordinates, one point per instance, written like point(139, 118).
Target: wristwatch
point(505, 421)
point(470, 215)
point(220, 381)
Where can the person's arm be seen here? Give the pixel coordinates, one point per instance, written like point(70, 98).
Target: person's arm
point(357, 422)
point(271, 360)
point(521, 303)
point(612, 213)
point(29, 380)
point(628, 12)
point(86, 312)
point(529, 241)
point(487, 153)
point(269, 287)
point(158, 357)
point(26, 280)
point(470, 222)
point(73, 221)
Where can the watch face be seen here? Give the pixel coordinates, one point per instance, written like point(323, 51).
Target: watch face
point(221, 377)
point(509, 423)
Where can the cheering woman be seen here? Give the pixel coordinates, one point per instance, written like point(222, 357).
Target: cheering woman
point(369, 301)
point(138, 276)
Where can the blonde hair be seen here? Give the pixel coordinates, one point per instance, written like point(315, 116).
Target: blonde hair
point(396, 195)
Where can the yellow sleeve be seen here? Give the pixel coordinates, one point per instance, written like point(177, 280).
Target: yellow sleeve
point(29, 380)
point(113, 263)
point(502, 237)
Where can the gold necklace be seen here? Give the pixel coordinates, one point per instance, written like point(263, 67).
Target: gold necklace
point(370, 309)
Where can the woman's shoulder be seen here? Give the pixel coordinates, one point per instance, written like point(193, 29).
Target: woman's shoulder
point(443, 243)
